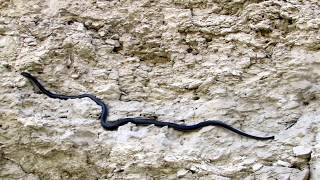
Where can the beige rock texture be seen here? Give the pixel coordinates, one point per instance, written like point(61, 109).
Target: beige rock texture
point(252, 64)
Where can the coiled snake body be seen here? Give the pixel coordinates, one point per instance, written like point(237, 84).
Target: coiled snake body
point(113, 125)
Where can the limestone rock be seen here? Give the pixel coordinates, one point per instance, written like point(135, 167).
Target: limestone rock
point(251, 64)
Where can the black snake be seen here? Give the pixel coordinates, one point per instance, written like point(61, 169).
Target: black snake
point(113, 125)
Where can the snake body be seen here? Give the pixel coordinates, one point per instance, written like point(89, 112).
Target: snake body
point(113, 125)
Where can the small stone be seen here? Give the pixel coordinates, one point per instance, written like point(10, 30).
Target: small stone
point(182, 172)
point(75, 76)
point(256, 167)
point(115, 37)
point(111, 42)
point(102, 33)
point(97, 24)
point(302, 151)
point(30, 41)
point(79, 26)
point(283, 163)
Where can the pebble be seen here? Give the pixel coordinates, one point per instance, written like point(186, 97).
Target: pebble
point(182, 172)
point(256, 167)
point(283, 163)
point(302, 151)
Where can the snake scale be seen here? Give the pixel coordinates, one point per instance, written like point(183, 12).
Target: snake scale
point(113, 125)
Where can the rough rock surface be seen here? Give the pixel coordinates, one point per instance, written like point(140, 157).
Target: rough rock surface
point(253, 64)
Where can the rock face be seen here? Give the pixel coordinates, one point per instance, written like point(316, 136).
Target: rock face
point(252, 64)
